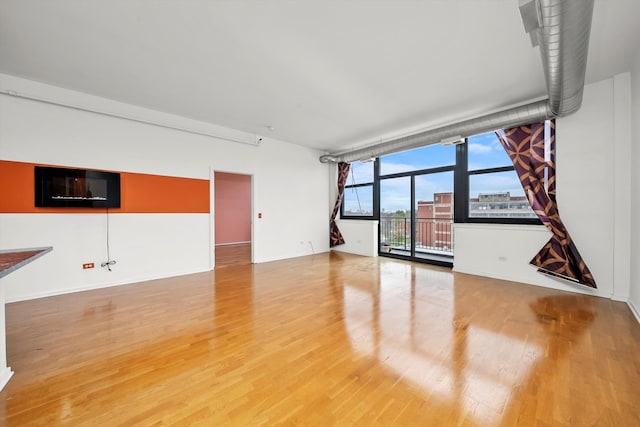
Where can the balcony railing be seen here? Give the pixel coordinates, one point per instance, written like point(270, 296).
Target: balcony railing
point(433, 235)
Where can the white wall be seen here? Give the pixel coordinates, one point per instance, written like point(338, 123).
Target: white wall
point(634, 300)
point(360, 237)
point(594, 196)
point(501, 251)
point(289, 190)
point(592, 147)
point(622, 186)
point(590, 161)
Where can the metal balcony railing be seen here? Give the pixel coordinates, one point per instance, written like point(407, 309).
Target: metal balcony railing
point(431, 234)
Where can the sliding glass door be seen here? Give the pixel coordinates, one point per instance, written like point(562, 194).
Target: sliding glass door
point(416, 204)
point(433, 220)
point(395, 215)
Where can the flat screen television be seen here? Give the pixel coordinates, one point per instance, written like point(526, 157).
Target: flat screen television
point(80, 188)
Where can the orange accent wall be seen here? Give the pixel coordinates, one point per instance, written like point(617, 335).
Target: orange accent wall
point(140, 193)
point(163, 194)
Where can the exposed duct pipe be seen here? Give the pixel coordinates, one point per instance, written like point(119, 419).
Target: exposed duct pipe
point(564, 43)
point(562, 30)
point(529, 113)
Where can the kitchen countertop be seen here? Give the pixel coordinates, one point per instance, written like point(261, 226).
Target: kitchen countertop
point(13, 259)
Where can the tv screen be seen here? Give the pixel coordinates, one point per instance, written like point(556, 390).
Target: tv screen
point(62, 187)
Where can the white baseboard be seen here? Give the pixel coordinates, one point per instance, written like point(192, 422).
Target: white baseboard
point(634, 310)
point(5, 376)
point(559, 286)
point(233, 243)
point(621, 298)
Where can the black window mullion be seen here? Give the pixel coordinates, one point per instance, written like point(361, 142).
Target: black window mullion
point(491, 170)
point(412, 233)
point(376, 190)
point(347, 188)
point(366, 184)
point(461, 191)
point(374, 185)
point(461, 185)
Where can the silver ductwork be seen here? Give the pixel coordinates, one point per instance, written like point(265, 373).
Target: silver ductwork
point(529, 113)
point(562, 31)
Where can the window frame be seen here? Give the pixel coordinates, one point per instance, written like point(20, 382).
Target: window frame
point(375, 185)
point(461, 189)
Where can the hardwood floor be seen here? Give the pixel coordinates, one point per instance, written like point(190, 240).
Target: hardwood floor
point(328, 339)
point(227, 255)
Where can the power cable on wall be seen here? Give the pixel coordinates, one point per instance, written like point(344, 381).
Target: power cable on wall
point(355, 190)
point(109, 262)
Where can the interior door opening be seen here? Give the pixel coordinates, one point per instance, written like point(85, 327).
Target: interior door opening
point(232, 219)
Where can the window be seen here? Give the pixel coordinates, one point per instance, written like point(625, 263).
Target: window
point(358, 201)
point(429, 157)
point(488, 187)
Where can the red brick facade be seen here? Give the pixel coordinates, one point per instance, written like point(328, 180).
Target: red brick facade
point(435, 222)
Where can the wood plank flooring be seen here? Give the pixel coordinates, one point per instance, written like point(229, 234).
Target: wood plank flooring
point(238, 254)
point(329, 339)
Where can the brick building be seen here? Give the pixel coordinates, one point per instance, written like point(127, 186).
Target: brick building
point(434, 222)
point(435, 218)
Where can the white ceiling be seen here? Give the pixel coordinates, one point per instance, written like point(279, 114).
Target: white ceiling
point(326, 74)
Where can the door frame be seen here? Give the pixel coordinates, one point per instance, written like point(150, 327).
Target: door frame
point(412, 176)
point(212, 210)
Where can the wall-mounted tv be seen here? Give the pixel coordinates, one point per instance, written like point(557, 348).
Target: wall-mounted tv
point(81, 188)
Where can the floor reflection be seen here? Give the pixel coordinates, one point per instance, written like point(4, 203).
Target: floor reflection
point(323, 340)
point(573, 311)
point(452, 343)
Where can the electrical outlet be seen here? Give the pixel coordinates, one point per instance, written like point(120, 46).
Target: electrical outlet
point(88, 265)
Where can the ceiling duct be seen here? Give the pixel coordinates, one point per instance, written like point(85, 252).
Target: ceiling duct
point(562, 31)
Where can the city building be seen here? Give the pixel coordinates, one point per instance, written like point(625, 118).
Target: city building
point(500, 205)
point(435, 222)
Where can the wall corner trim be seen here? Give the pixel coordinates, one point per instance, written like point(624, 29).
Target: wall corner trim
point(634, 310)
point(5, 376)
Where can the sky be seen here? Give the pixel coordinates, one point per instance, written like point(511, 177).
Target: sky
point(485, 151)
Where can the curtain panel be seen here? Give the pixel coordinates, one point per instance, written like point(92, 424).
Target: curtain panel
point(532, 151)
point(335, 237)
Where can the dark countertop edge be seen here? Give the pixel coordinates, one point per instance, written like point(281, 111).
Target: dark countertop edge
point(42, 251)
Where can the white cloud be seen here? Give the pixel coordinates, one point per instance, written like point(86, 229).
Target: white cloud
point(479, 148)
point(496, 182)
point(363, 172)
point(388, 168)
point(395, 193)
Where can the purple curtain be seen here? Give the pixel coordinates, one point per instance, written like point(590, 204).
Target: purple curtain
point(532, 151)
point(335, 237)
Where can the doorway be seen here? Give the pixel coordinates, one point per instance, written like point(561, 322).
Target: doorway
point(232, 219)
point(416, 216)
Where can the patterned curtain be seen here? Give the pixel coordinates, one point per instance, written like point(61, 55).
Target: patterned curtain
point(335, 236)
point(532, 151)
